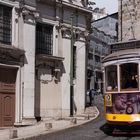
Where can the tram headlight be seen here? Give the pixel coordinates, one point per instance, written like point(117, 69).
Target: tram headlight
point(129, 110)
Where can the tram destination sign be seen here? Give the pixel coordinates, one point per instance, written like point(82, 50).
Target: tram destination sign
point(125, 45)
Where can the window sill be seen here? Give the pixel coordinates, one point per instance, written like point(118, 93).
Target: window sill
point(48, 57)
point(130, 89)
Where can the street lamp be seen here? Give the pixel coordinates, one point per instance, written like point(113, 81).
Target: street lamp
point(121, 18)
point(71, 71)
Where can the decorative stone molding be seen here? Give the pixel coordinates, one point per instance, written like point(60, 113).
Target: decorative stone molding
point(83, 3)
point(78, 34)
point(53, 64)
point(86, 34)
point(11, 55)
point(57, 27)
point(26, 12)
point(59, 3)
point(66, 32)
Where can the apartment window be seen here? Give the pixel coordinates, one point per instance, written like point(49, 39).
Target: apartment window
point(90, 56)
point(5, 24)
point(89, 73)
point(97, 58)
point(44, 39)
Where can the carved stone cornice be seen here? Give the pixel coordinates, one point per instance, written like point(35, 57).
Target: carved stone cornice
point(27, 13)
point(44, 58)
point(66, 32)
point(59, 3)
point(30, 12)
point(79, 35)
point(11, 55)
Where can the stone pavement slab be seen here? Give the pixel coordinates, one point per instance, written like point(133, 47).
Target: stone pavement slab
point(49, 126)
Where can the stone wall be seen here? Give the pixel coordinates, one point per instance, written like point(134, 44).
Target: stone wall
point(129, 20)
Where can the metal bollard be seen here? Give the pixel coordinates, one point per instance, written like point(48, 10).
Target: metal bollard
point(13, 133)
point(87, 117)
point(48, 126)
point(74, 121)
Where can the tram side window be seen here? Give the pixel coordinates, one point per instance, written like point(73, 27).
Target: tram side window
point(111, 78)
point(129, 76)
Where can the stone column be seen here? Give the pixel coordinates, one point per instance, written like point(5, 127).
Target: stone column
point(29, 69)
point(79, 87)
point(66, 46)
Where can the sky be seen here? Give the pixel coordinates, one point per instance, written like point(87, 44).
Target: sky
point(110, 5)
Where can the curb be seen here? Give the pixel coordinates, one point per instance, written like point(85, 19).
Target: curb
point(51, 130)
point(44, 128)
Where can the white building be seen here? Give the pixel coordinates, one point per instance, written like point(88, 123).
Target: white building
point(35, 59)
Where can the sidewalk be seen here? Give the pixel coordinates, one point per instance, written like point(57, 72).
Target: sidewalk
point(49, 126)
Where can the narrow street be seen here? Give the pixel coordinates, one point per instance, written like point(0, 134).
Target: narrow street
point(93, 130)
point(57, 54)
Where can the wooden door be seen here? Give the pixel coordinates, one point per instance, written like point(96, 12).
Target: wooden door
point(8, 109)
point(7, 96)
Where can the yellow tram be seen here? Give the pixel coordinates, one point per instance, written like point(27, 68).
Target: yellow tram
point(122, 87)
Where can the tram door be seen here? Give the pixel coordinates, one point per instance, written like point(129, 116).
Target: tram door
point(7, 96)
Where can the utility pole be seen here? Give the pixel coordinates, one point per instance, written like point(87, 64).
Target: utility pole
point(71, 72)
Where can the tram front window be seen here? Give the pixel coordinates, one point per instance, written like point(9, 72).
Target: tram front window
point(111, 78)
point(129, 76)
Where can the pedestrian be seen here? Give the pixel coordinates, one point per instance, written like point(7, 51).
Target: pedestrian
point(91, 96)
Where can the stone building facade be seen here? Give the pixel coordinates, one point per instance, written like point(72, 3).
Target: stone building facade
point(35, 48)
point(129, 15)
point(99, 13)
point(128, 25)
point(104, 33)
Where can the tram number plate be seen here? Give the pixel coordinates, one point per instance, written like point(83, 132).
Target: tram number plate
point(108, 100)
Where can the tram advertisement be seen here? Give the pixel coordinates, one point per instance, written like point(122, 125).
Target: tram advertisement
point(122, 103)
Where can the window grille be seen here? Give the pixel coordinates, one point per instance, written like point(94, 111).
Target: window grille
point(5, 24)
point(44, 39)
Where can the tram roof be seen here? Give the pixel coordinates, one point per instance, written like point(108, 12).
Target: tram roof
point(123, 54)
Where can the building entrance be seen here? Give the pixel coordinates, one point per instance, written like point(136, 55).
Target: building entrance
point(7, 96)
